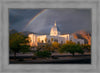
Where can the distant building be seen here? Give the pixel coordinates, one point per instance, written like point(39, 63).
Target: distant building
point(55, 36)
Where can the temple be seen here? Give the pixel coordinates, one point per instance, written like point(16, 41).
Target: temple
point(55, 36)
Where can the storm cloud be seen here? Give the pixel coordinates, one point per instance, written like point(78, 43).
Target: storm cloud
point(68, 20)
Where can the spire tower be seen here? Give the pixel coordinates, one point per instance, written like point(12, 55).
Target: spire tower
point(55, 23)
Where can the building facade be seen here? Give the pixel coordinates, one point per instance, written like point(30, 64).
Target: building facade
point(55, 36)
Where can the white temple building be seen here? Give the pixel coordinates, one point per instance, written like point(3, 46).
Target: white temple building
point(55, 36)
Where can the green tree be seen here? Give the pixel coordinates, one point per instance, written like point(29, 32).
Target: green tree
point(63, 48)
point(71, 48)
point(55, 46)
point(51, 40)
point(18, 43)
point(48, 47)
point(86, 47)
point(75, 48)
point(79, 49)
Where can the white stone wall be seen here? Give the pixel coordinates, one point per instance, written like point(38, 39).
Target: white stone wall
point(42, 38)
point(78, 41)
point(60, 39)
point(33, 39)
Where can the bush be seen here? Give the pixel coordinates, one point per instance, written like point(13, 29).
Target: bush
point(43, 54)
point(79, 50)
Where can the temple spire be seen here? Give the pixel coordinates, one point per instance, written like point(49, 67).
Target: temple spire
point(55, 23)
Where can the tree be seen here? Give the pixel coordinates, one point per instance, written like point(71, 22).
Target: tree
point(18, 43)
point(75, 48)
point(24, 48)
point(68, 48)
point(55, 46)
point(51, 40)
point(48, 47)
point(86, 47)
point(63, 48)
point(71, 48)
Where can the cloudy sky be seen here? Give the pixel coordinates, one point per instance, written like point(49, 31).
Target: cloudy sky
point(41, 20)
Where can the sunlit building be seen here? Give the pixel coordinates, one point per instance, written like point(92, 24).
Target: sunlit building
point(55, 36)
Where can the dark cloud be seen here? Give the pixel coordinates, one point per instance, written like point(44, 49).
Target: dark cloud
point(68, 20)
point(18, 18)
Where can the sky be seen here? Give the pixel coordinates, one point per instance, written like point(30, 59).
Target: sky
point(42, 20)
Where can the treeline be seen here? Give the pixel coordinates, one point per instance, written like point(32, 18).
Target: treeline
point(68, 47)
point(20, 43)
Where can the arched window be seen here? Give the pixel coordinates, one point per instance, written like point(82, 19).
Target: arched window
point(42, 41)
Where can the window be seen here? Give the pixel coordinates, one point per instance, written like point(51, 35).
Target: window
point(42, 41)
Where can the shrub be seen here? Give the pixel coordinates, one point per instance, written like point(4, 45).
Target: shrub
point(43, 54)
point(79, 50)
point(55, 45)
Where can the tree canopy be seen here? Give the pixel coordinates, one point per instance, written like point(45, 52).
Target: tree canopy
point(71, 48)
point(18, 43)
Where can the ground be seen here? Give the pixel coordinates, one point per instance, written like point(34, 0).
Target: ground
point(54, 59)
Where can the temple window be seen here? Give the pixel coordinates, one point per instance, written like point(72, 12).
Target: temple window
point(42, 41)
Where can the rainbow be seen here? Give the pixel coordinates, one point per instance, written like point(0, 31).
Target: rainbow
point(33, 19)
